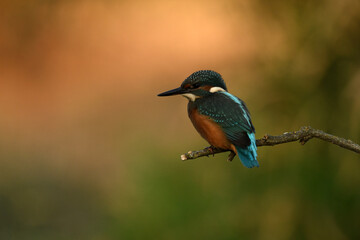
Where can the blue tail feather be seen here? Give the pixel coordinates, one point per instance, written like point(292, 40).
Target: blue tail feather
point(248, 154)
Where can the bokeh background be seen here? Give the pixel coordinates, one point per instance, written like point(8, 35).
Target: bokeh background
point(87, 150)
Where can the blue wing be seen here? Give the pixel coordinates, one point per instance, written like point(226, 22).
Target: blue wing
point(233, 116)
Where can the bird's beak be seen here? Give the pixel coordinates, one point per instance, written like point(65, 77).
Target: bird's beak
point(175, 91)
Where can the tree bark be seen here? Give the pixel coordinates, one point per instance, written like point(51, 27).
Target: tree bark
point(303, 135)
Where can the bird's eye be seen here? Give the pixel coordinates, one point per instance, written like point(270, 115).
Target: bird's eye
point(195, 85)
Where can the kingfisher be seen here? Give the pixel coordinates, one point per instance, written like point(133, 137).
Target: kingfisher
point(221, 118)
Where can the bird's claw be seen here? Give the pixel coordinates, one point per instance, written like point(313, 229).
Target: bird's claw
point(211, 149)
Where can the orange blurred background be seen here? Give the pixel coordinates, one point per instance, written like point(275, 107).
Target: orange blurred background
point(87, 150)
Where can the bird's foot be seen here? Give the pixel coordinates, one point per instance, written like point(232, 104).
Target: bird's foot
point(211, 149)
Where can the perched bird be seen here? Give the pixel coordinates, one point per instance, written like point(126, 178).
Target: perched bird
point(221, 118)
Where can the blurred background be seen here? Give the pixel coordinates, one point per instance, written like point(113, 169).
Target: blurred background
point(87, 150)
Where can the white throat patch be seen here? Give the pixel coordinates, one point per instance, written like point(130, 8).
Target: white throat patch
point(190, 96)
point(216, 89)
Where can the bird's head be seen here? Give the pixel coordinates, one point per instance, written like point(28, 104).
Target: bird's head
point(199, 84)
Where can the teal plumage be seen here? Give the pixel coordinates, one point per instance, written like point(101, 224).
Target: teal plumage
point(233, 117)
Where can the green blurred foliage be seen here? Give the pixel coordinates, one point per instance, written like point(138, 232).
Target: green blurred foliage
point(87, 151)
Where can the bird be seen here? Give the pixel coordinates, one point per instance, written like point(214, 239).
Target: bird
point(221, 118)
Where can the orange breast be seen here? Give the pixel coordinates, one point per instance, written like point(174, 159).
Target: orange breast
point(210, 130)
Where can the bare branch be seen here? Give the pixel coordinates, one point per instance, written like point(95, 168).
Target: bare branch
point(303, 135)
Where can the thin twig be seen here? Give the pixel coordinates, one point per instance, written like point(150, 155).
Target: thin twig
point(303, 135)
